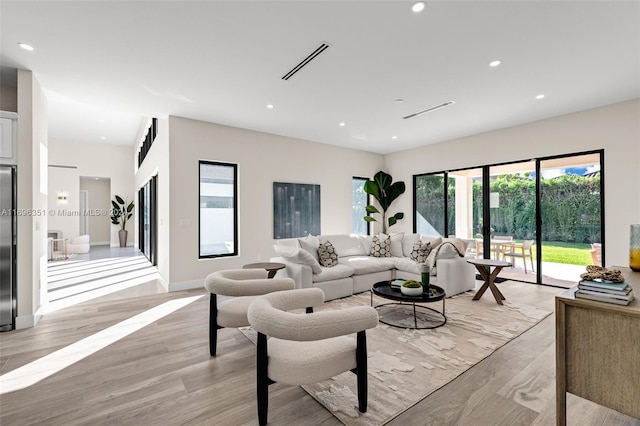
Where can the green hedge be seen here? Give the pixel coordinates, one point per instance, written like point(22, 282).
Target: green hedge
point(570, 206)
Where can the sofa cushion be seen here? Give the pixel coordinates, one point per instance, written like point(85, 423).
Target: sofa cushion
point(327, 254)
point(381, 247)
point(420, 252)
point(310, 243)
point(396, 244)
point(407, 243)
point(333, 273)
point(298, 255)
point(368, 264)
point(367, 242)
point(406, 264)
point(345, 245)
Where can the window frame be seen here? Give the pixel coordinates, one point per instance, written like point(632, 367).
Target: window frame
point(365, 179)
point(236, 247)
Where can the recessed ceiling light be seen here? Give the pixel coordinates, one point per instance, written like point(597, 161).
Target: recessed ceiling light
point(101, 120)
point(540, 96)
point(398, 101)
point(342, 124)
point(269, 106)
point(394, 137)
point(494, 63)
point(26, 46)
point(104, 138)
point(418, 6)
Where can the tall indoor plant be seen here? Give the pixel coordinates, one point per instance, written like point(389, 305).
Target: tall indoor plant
point(385, 191)
point(121, 213)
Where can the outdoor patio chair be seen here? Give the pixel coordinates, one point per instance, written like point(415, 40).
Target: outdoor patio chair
point(596, 254)
point(521, 250)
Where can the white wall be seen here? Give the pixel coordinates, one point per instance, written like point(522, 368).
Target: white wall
point(63, 214)
point(614, 128)
point(32, 190)
point(99, 199)
point(99, 160)
point(262, 159)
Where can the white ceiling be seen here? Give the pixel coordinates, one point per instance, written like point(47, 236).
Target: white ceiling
point(222, 61)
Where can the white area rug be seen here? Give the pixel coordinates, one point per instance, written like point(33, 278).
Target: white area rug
point(405, 366)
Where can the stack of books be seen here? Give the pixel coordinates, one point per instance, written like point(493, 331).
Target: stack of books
point(605, 291)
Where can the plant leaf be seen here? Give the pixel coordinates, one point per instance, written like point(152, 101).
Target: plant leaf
point(116, 207)
point(371, 209)
point(371, 188)
point(119, 200)
point(369, 219)
point(130, 207)
point(383, 180)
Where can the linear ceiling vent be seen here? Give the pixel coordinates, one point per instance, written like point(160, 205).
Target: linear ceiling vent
point(415, 114)
point(308, 59)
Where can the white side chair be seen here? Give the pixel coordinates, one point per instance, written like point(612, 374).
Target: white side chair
point(522, 251)
point(297, 348)
point(244, 285)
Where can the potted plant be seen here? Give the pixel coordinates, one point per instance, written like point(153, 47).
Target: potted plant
point(121, 213)
point(385, 191)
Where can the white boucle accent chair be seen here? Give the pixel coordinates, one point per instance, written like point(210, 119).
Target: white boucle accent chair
point(244, 285)
point(297, 349)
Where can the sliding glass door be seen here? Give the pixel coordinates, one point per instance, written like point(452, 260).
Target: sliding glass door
point(147, 219)
point(542, 215)
point(571, 205)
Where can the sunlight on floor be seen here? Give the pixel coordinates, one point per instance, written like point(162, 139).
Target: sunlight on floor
point(77, 282)
point(48, 365)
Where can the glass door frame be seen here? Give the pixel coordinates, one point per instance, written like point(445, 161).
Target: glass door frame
point(486, 212)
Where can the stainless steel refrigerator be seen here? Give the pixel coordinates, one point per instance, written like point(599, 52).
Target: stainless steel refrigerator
point(7, 248)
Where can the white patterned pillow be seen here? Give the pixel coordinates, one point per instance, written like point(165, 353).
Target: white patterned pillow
point(381, 247)
point(420, 251)
point(327, 254)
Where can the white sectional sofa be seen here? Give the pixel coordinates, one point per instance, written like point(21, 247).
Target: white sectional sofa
point(357, 270)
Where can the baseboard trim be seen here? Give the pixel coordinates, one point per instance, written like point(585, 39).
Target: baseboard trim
point(185, 285)
point(100, 243)
point(28, 321)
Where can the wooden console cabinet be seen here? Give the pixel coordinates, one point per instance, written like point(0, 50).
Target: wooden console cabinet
point(598, 351)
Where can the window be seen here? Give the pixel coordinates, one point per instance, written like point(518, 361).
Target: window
point(360, 201)
point(218, 206)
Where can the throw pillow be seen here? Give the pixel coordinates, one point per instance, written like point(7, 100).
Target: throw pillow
point(420, 251)
point(407, 243)
point(310, 244)
point(381, 247)
point(327, 254)
point(396, 244)
point(298, 255)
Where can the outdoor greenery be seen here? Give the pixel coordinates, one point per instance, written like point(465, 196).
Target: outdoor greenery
point(568, 253)
point(570, 206)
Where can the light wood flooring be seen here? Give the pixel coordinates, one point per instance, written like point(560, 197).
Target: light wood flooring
point(162, 374)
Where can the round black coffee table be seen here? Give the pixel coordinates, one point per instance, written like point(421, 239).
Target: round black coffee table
point(405, 307)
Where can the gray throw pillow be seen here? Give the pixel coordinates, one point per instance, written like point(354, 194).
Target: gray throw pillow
point(327, 254)
point(420, 251)
point(381, 247)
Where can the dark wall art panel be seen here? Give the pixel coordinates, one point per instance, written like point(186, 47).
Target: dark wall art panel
point(296, 210)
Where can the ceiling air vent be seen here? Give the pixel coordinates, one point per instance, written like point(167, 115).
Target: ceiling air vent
point(306, 60)
point(415, 114)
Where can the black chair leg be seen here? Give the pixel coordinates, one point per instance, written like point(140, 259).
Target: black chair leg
point(213, 324)
point(361, 367)
point(262, 379)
